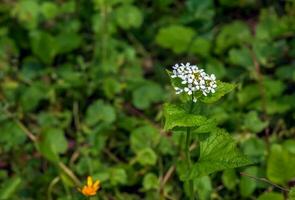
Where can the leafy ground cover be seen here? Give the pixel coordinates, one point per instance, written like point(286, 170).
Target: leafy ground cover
point(83, 84)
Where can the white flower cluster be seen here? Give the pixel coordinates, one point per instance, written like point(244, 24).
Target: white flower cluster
point(193, 79)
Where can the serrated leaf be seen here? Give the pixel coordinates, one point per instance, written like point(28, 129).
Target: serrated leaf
point(178, 116)
point(221, 90)
point(280, 165)
point(217, 152)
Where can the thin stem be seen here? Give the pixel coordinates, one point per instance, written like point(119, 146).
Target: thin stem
point(265, 181)
point(187, 153)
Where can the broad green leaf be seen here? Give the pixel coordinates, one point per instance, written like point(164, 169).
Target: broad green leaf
point(291, 194)
point(57, 139)
point(118, 176)
point(235, 33)
point(289, 145)
point(216, 67)
point(144, 137)
point(201, 46)
point(146, 94)
point(229, 179)
point(32, 96)
point(175, 37)
point(150, 181)
point(100, 112)
point(27, 13)
point(248, 94)
point(280, 165)
point(270, 25)
point(12, 136)
point(253, 123)
point(52, 143)
point(128, 16)
point(146, 156)
point(247, 185)
point(221, 90)
point(203, 186)
point(178, 116)
point(9, 188)
point(49, 10)
point(271, 196)
point(241, 57)
point(68, 42)
point(44, 46)
point(202, 10)
point(217, 152)
point(268, 52)
point(111, 87)
point(255, 149)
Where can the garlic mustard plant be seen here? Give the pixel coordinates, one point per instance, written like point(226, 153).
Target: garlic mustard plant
point(217, 151)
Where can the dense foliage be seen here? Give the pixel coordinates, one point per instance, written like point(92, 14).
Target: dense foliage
point(82, 84)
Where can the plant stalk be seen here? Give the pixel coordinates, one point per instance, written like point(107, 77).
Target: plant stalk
point(187, 154)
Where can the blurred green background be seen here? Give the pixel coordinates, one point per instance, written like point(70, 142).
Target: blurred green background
point(82, 83)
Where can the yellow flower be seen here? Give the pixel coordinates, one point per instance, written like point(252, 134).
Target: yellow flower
point(90, 188)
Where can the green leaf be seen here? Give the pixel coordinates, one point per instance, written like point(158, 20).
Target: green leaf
point(146, 156)
point(253, 123)
point(175, 37)
point(177, 116)
point(203, 186)
point(52, 143)
point(144, 137)
point(32, 96)
point(27, 13)
point(128, 16)
point(271, 196)
point(241, 57)
point(68, 42)
point(217, 152)
point(146, 94)
point(255, 149)
point(229, 179)
point(291, 194)
point(9, 188)
point(118, 176)
point(100, 112)
point(150, 181)
point(12, 136)
point(201, 46)
point(280, 165)
point(44, 46)
point(247, 185)
point(49, 10)
point(221, 90)
point(235, 33)
point(289, 145)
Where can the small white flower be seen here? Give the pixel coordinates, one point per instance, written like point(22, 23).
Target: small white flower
point(193, 80)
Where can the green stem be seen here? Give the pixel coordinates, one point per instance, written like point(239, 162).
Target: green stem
point(187, 153)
